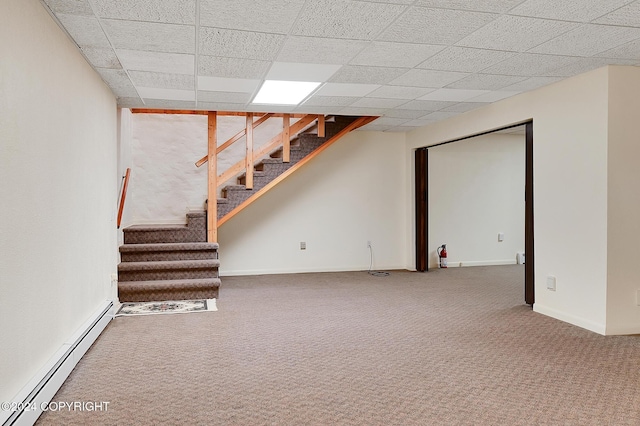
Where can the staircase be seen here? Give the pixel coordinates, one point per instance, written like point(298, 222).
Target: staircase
point(168, 262)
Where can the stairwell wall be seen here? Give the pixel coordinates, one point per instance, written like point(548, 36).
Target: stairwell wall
point(58, 191)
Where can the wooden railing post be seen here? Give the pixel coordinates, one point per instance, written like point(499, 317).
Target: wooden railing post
point(212, 180)
point(321, 126)
point(286, 139)
point(248, 164)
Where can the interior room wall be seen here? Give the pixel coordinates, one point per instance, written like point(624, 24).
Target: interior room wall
point(476, 190)
point(353, 192)
point(58, 191)
point(623, 268)
point(125, 161)
point(570, 125)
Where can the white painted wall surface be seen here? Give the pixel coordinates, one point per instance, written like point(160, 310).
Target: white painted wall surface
point(58, 191)
point(476, 190)
point(570, 124)
point(353, 192)
point(623, 268)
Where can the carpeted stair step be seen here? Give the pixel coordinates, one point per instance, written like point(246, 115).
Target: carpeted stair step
point(168, 270)
point(170, 251)
point(194, 231)
point(160, 290)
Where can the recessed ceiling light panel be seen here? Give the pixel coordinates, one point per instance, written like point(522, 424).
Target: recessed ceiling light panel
point(276, 92)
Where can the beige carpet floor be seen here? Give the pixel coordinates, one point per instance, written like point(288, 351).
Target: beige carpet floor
point(448, 347)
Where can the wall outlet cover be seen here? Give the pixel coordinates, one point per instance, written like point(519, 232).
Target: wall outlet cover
point(551, 283)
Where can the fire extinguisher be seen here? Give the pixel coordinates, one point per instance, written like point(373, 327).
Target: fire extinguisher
point(442, 256)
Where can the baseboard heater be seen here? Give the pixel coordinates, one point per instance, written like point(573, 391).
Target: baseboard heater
point(41, 389)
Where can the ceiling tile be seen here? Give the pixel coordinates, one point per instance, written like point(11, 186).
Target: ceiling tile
point(232, 67)
point(378, 103)
point(151, 36)
point(427, 78)
point(291, 71)
point(402, 129)
point(362, 111)
point(169, 63)
point(498, 6)
point(494, 96)
point(373, 127)
point(169, 94)
point(309, 109)
point(400, 92)
point(167, 11)
point(464, 106)
point(581, 11)
point(583, 65)
point(219, 84)
point(485, 82)
point(101, 57)
point(345, 19)
point(531, 84)
point(387, 54)
point(403, 113)
point(220, 106)
point(588, 40)
point(629, 50)
point(420, 122)
point(275, 16)
point(130, 103)
point(319, 50)
point(223, 97)
point(465, 59)
point(119, 82)
point(427, 106)
point(346, 89)
point(166, 104)
point(366, 75)
point(456, 95)
point(330, 101)
point(239, 44)
point(162, 80)
point(439, 115)
point(85, 30)
point(628, 15)
point(387, 121)
point(71, 7)
point(530, 64)
point(435, 26)
point(516, 33)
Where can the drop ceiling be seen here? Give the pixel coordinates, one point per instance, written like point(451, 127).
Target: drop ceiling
point(411, 62)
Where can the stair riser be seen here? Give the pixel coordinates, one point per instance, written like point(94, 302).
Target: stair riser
point(168, 274)
point(135, 236)
point(158, 296)
point(168, 255)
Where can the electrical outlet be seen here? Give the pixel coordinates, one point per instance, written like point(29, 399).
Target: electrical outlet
point(368, 244)
point(114, 279)
point(303, 245)
point(500, 236)
point(551, 283)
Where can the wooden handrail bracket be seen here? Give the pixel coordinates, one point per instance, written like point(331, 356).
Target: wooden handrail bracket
point(123, 197)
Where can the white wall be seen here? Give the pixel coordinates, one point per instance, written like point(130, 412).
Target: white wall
point(353, 192)
point(58, 191)
point(476, 190)
point(570, 124)
point(623, 268)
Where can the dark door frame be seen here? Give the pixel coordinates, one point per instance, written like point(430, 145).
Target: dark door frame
point(422, 207)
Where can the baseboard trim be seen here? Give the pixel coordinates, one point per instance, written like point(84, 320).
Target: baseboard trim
point(465, 263)
point(44, 385)
point(236, 273)
point(571, 319)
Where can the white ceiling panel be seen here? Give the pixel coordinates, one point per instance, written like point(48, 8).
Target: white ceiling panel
point(119, 82)
point(428, 78)
point(345, 19)
point(85, 30)
point(162, 80)
point(223, 97)
point(494, 96)
point(101, 57)
point(168, 104)
point(291, 71)
point(580, 11)
point(530, 64)
point(362, 111)
point(435, 26)
point(169, 63)
point(427, 106)
point(401, 129)
point(170, 94)
point(319, 50)
point(310, 109)
point(464, 107)
point(131, 103)
point(72, 7)
point(220, 106)
point(167, 11)
point(378, 103)
point(588, 40)
point(439, 115)
point(346, 89)
point(400, 92)
point(628, 15)
point(516, 33)
point(583, 65)
point(485, 82)
point(373, 127)
point(267, 16)
point(531, 84)
point(456, 95)
point(465, 59)
point(366, 75)
point(404, 55)
point(627, 51)
point(232, 67)
point(239, 44)
point(497, 6)
point(386, 121)
point(404, 113)
point(420, 122)
point(151, 36)
point(330, 101)
point(221, 84)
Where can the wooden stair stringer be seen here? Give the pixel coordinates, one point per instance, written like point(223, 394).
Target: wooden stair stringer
point(359, 122)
